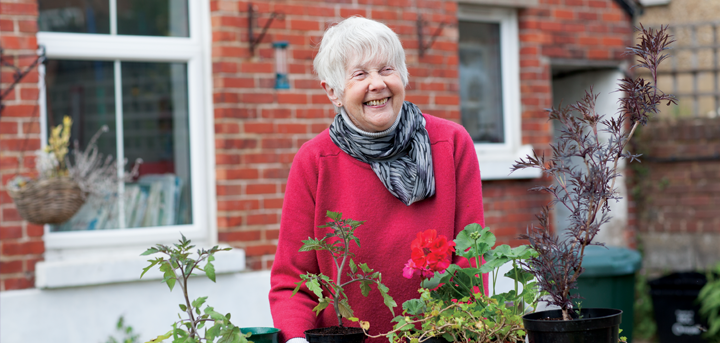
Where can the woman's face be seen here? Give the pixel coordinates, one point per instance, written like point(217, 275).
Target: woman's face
point(374, 94)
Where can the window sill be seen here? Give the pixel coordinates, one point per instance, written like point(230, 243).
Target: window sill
point(497, 166)
point(102, 269)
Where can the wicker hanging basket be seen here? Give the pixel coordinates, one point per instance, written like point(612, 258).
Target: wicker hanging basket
point(48, 201)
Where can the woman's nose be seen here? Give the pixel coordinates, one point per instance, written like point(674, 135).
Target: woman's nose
point(376, 82)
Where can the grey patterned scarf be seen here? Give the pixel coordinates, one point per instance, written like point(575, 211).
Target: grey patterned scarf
point(400, 156)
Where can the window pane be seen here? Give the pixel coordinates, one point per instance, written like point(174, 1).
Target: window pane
point(481, 81)
point(153, 17)
point(155, 124)
point(155, 129)
point(79, 16)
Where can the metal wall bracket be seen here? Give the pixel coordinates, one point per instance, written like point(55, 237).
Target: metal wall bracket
point(254, 41)
point(422, 47)
point(18, 74)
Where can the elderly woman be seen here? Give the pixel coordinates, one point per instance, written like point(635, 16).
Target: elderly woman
point(382, 161)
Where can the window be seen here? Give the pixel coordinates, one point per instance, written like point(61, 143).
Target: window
point(490, 88)
point(141, 68)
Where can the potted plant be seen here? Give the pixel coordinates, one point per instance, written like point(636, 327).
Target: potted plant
point(65, 178)
point(585, 191)
point(451, 306)
point(331, 292)
point(204, 325)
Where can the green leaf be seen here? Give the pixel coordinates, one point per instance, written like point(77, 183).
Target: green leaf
point(353, 266)
point(334, 215)
point(197, 303)
point(150, 252)
point(314, 286)
point(212, 332)
point(322, 304)
point(414, 307)
point(345, 310)
point(465, 243)
point(210, 271)
point(297, 288)
point(152, 263)
point(365, 268)
point(365, 288)
point(311, 244)
point(214, 315)
point(387, 299)
point(520, 275)
point(168, 273)
point(161, 337)
point(183, 307)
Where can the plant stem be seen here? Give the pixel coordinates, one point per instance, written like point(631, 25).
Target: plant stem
point(477, 265)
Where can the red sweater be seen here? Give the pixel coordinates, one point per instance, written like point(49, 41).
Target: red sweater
point(323, 178)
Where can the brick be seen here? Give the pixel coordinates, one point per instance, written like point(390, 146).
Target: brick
point(18, 283)
point(259, 67)
point(238, 205)
point(27, 26)
point(257, 98)
point(272, 234)
point(292, 98)
point(258, 250)
point(597, 4)
point(272, 203)
point(258, 128)
point(11, 267)
point(8, 128)
point(11, 215)
point(563, 14)
point(260, 158)
point(235, 143)
point(10, 232)
point(383, 15)
point(242, 173)
point(264, 188)
point(7, 25)
point(25, 248)
point(304, 25)
point(239, 236)
point(225, 222)
point(349, 12)
point(15, 42)
point(292, 128)
point(18, 110)
point(447, 100)
point(238, 82)
point(276, 173)
point(276, 143)
point(262, 219)
point(276, 113)
point(29, 9)
point(225, 190)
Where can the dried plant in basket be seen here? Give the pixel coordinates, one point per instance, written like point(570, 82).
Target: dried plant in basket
point(66, 178)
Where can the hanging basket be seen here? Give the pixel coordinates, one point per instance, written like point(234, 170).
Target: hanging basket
point(48, 201)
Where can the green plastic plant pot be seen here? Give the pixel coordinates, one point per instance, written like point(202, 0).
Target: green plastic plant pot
point(262, 334)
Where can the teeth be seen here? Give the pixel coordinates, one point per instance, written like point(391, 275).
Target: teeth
point(376, 102)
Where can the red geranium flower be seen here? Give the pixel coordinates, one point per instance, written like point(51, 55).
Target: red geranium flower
point(430, 253)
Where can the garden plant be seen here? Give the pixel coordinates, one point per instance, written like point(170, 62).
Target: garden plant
point(452, 305)
point(206, 325)
point(586, 189)
point(331, 292)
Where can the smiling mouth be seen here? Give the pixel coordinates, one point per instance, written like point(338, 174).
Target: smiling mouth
point(377, 102)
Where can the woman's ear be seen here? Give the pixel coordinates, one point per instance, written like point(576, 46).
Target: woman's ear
point(331, 94)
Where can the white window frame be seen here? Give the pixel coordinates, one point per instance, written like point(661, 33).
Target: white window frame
point(496, 159)
point(195, 52)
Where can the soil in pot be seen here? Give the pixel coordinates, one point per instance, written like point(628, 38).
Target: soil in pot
point(335, 334)
point(595, 325)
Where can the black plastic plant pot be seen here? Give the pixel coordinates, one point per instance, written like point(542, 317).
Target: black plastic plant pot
point(595, 325)
point(330, 335)
point(262, 334)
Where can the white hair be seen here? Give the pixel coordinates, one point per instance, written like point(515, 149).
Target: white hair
point(357, 41)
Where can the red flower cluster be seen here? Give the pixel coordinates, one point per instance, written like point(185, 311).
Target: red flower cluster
point(430, 253)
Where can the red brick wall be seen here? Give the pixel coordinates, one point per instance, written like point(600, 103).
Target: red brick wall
point(258, 128)
point(21, 244)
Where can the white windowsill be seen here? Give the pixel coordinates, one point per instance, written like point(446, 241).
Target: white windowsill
point(497, 166)
point(117, 268)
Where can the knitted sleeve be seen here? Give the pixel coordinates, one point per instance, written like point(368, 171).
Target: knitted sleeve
point(293, 314)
